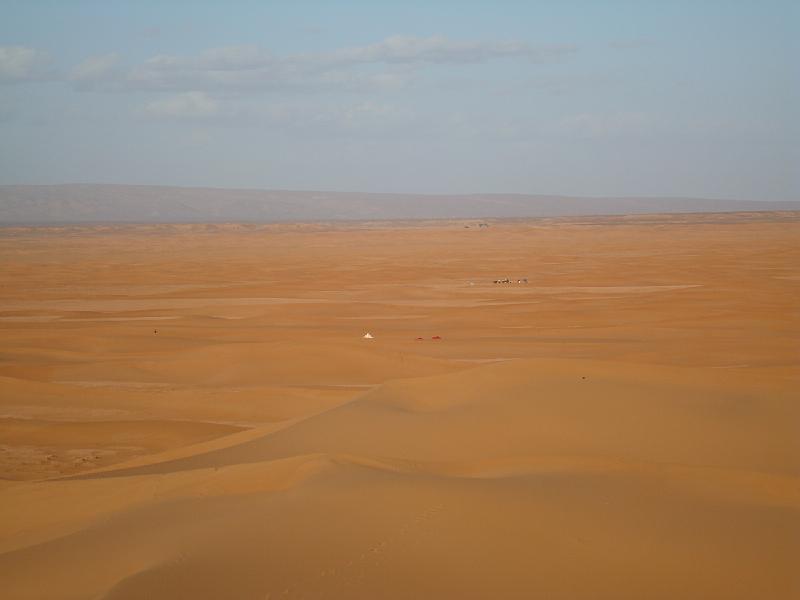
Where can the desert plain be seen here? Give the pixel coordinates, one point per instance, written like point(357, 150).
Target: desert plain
point(192, 411)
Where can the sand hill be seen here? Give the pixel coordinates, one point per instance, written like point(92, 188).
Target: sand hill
point(192, 411)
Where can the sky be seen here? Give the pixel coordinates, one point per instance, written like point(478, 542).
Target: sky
point(591, 98)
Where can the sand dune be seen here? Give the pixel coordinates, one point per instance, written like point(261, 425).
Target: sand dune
point(624, 426)
point(543, 408)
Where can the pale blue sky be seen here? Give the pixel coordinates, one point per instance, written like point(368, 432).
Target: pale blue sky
point(560, 97)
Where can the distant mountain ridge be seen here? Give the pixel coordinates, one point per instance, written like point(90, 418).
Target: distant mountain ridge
point(107, 203)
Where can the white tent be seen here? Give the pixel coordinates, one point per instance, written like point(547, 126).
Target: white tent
point(368, 336)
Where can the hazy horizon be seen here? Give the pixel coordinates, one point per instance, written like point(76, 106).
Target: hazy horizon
point(387, 193)
point(609, 99)
point(105, 203)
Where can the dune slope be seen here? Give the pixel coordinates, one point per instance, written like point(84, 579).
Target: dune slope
point(517, 479)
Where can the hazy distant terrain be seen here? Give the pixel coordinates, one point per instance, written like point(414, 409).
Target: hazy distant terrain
point(98, 203)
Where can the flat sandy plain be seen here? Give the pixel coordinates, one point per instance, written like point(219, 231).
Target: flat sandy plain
point(191, 411)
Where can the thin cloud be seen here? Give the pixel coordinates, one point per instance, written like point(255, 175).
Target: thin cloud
point(21, 63)
point(191, 105)
point(96, 69)
point(437, 50)
point(384, 65)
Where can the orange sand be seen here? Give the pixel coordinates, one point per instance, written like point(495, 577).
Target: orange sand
point(191, 411)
